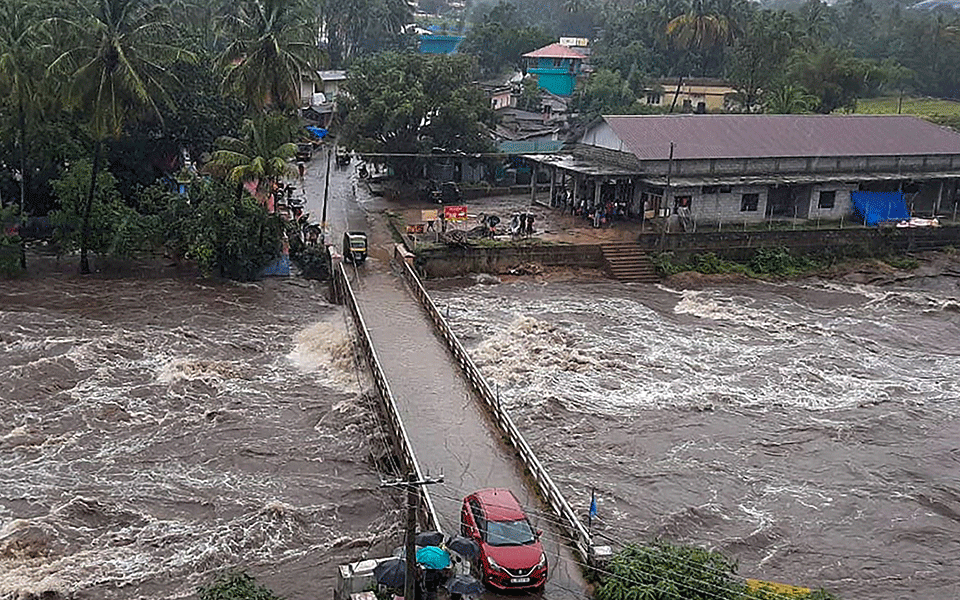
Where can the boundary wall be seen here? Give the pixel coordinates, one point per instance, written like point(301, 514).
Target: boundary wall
point(578, 534)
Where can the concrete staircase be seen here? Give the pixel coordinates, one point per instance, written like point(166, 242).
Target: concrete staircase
point(627, 261)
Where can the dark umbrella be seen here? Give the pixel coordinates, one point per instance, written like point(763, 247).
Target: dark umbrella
point(463, 546)
point(464, 585)
point(391, 572)
point(429, 538)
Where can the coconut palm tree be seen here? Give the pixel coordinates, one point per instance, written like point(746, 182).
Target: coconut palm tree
point(116, 70)
point(699, 30)
point(20, 69)
point(788, 99)
point(261, 154)
point(274, 45)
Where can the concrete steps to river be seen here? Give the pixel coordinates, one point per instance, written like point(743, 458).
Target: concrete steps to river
point(627, 261)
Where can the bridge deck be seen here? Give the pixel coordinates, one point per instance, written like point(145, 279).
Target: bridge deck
point(447, 426)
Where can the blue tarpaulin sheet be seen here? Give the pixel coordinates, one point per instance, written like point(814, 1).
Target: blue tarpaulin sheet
point(879, 207)
point(320, 132)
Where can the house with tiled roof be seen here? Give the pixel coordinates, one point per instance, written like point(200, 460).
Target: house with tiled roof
point(555, 67)
point(742, 168)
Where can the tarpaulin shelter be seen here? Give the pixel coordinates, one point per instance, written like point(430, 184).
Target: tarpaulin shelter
point(880, 207)
point(320, 132)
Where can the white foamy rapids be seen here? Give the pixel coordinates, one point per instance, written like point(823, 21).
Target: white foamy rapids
point(617, 356)
point(84, 545)
point(326, 348)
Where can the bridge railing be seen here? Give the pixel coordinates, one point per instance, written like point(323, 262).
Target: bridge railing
point(581, 539)
point(343, 294)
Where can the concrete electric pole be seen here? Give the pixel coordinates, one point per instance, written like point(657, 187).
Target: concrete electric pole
point(413, 503)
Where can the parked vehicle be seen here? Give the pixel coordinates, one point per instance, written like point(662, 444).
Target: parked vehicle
point(511, 555)
point(447, 192)
point(355, 246)
point(304, 151)
point(343, 157)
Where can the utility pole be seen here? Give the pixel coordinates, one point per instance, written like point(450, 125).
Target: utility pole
point(326, 192)
point(666, 201)
point(413, 502)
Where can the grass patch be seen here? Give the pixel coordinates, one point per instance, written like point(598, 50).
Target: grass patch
point(765, 263)
point(923, 107)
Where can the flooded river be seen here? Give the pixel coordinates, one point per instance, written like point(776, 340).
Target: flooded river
point(807, 430)
point(153, 432)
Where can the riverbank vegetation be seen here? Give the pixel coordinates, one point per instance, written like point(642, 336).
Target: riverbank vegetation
point(769, 263)
point(664, 571)
point(236, 586)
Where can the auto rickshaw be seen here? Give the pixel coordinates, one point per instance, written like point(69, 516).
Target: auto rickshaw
point(355, 246)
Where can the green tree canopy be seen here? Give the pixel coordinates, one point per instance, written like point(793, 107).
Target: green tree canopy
point(116, 64)
point(261, 154)
point(273, 44)
point(499, 40)
point(409, 104)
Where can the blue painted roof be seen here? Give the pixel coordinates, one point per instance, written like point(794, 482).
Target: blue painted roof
point(528, 146)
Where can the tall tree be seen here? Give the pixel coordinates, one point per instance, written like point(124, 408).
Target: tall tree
point(117, 67)
point(758, 58)
point(20, 69)
point(408, 104)
point(699, 31)
point(274, 46)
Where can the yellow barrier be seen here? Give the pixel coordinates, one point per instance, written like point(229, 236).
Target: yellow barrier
point(779, 588)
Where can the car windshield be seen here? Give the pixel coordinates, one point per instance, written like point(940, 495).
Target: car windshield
point(509, 533)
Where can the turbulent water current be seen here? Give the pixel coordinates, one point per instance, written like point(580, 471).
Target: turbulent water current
point(154, 432)
point(807, 430)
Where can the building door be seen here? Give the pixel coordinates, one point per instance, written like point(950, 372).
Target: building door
point(781, 202)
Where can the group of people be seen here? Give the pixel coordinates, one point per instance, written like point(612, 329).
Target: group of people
point(521, 224)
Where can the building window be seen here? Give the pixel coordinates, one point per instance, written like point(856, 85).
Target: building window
point(653, 98)
point(749, 202)
point(827, 199)
point(710, 189)
point(558, 62)
point(725, 189)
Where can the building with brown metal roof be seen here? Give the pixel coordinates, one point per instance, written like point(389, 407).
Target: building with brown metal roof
point(743, 168)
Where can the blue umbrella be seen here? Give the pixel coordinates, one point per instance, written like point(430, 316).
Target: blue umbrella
point(320, 132)
point(433, 557)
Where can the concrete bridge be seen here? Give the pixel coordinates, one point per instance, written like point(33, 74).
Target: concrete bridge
point(445, 419)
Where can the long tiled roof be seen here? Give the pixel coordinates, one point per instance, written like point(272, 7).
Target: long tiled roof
point(758, 136)
point(554, 51)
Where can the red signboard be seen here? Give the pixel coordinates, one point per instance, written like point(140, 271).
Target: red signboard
point(415, 228)
point(455, 213)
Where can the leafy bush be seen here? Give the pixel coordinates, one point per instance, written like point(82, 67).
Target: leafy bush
point(663, 571)
point(236, 586)
point(235, 236)
point(313, 261)
point(115, 228)
point(906, 263)
point(9, 243)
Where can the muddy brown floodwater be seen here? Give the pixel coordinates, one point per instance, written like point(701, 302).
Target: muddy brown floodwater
point(807, 430)
point(155, 431)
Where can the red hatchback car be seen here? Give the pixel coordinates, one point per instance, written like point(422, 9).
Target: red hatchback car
point(511, 556)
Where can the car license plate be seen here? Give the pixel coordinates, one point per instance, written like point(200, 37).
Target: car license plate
point(519, 580)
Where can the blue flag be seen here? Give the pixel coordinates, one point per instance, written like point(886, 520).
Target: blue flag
point(593, 505)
